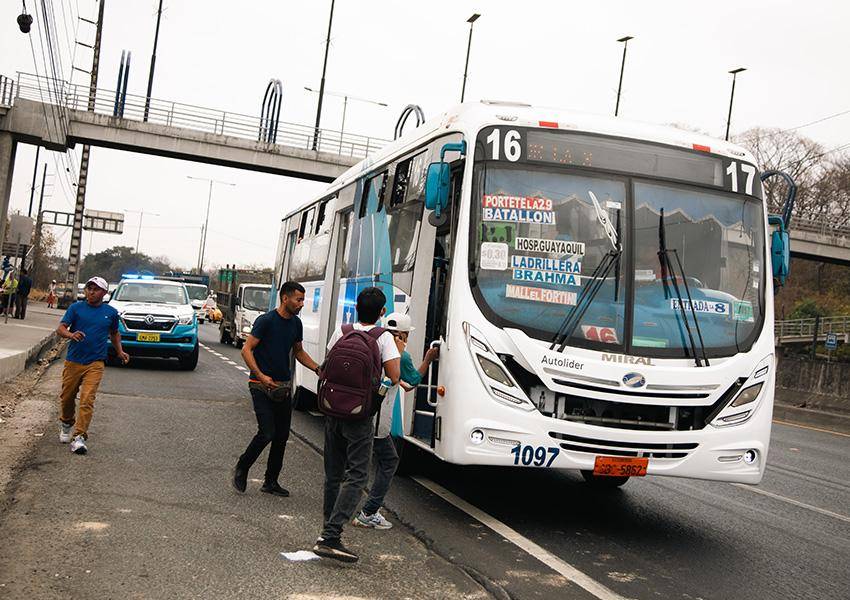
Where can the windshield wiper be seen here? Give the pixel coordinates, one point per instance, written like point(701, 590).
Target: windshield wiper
point(589, 291)
point(668, 270)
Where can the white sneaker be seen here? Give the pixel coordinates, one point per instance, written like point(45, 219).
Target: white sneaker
point(65, 433)
point(376, 521)
point(78, 446)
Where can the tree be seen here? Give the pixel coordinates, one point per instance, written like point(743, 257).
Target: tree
point(114, 262)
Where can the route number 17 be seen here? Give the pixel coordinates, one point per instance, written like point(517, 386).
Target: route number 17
point(536, 455)
point(749, 171)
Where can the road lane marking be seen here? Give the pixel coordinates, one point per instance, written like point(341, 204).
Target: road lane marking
point(797, 503)
point(811, 428)
point(547, 558)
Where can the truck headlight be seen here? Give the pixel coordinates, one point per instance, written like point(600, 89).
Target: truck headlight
point(187, 320)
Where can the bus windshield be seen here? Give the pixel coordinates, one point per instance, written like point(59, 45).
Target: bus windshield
point(538, 233)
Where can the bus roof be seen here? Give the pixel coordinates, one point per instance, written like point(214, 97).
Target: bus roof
point(471, 116)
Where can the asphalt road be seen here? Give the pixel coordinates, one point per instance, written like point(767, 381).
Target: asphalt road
point(654, 538)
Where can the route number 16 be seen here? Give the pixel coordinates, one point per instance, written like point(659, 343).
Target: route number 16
point(513, 148)
point(749, 170)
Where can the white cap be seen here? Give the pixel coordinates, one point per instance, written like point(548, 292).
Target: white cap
point(398, 322)
point(99, 282)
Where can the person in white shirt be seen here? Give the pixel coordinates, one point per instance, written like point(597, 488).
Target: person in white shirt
point(348, 444)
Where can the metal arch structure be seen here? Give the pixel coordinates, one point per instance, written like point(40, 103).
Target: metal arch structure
point(408, 110)
point(121, 88)
point(270, 112)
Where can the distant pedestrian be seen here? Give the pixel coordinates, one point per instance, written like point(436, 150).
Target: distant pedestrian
point(22, 295)
point(90, 325)
point(348, 440)
point(7, 297)
point(51, 294)
point(274, 336)
point(384, 454)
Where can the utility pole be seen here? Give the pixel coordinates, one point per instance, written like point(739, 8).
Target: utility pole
point(153, 63)
point(73, 276)
point(734, 73)
point(322, 84)
point(38, 223)
point(202, 250)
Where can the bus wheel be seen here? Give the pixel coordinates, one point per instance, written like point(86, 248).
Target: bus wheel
point(606, 482)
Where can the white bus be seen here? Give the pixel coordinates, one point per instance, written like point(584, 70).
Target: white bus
point(601, 290)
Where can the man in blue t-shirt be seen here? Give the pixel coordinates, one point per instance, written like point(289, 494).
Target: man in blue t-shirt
point(90, 325)
point(266, 352)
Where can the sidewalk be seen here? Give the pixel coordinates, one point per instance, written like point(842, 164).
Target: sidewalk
point(21, 341)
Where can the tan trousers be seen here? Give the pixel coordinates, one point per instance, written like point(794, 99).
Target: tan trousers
point(83, 379)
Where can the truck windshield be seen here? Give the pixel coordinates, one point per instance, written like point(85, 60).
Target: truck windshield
point(153, 293)
point(537, 236)
point(256, 298)
point(196, 291)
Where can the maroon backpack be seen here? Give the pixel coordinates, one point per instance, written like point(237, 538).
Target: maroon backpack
point(351, 376)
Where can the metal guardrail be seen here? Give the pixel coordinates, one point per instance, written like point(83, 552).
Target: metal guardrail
point(178, 114)
point(823, 226)
point(805, 328)
point(7, 90)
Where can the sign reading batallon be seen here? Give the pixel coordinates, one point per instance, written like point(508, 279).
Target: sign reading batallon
point(521, 292)
point(549, 246)
point(517, 209)
point(702, 306)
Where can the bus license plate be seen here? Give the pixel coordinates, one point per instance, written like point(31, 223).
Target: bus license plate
point(620, 466)
point(148, 337)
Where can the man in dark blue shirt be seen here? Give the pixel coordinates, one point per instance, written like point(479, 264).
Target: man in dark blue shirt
point(89, 324)
point(22, 297)
point(266, 352)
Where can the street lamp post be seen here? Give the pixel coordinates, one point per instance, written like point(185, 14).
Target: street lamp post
point(345, 99)
point(141, 218)
point(734, 73)
point(322, 84)
point(625, 42)
point(470, 20)
point(203, 247)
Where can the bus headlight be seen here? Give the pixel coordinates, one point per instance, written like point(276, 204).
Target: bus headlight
point(748, 395)
point(494, 371)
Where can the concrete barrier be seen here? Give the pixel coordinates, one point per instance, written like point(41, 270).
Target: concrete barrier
point(813, 384)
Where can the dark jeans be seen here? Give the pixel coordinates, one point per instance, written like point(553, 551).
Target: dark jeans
point(385, 458)
point(273, 420)
point(348, 446)
point(21, 306)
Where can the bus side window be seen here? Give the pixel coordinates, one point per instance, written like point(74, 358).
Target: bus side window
point(373, 194)
point(306, 227)
point(323, 222)
point(404, 213)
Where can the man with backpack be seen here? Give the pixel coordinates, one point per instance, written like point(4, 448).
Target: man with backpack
point(350, 395)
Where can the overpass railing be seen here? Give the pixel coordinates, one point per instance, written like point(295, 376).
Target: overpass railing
point(823, 226)
point(804, 329)
point(177, 114)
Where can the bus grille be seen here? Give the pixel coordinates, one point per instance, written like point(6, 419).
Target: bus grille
point(575, 443)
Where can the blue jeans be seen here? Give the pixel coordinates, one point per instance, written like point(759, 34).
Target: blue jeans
point(385, 457)
point(348, 446)
point(273, 421)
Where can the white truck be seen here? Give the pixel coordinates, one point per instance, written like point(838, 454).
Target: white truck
point(242, 295)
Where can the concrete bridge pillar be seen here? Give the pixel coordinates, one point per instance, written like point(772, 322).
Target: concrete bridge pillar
point(8, 147)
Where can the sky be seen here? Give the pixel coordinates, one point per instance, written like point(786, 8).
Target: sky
point(221, 54)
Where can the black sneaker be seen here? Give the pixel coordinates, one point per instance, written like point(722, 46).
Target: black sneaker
point(335, 550)
point(275, 489)
point(240, 480)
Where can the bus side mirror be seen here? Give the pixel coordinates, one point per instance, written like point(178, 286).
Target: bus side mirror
point(780, 249)
point(437, 187)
